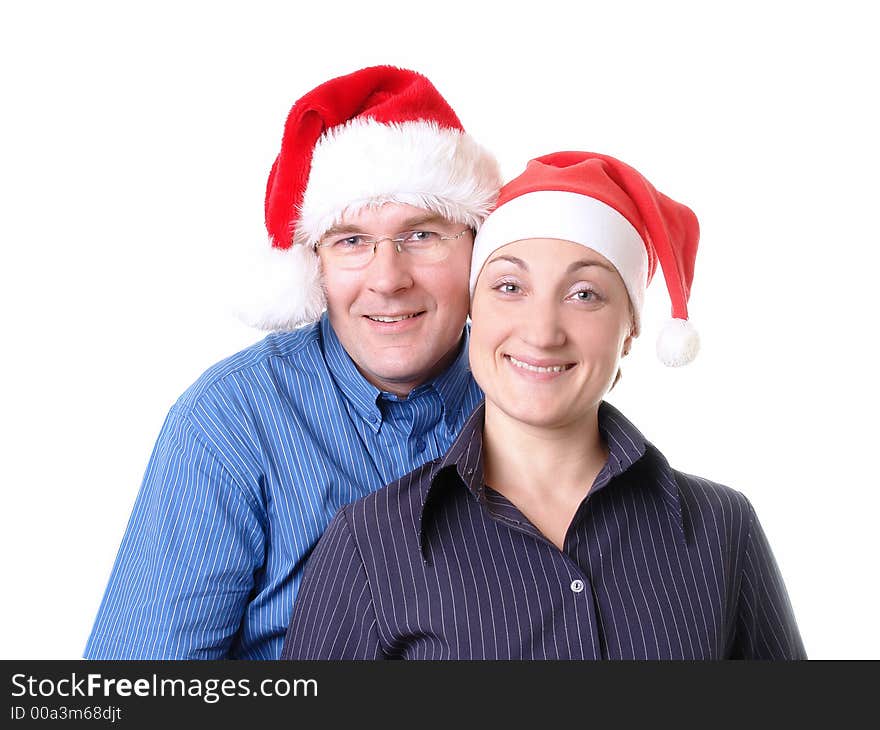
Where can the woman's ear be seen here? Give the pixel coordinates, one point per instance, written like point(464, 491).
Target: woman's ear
point(627, 343)
point(633, 332)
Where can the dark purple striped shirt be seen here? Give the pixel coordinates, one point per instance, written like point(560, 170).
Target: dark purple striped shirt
point(657, 565)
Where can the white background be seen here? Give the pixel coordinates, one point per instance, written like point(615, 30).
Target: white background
point(136, 140)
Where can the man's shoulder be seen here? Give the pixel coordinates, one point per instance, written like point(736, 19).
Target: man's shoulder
point(298, 354)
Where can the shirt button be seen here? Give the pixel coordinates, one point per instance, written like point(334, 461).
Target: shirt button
point(577, 585)
point(420, 445)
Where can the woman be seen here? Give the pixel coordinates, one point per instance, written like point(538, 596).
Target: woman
point(552, 528)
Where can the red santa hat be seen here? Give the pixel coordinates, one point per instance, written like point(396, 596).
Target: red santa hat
point(378, 135)
point(606, 205)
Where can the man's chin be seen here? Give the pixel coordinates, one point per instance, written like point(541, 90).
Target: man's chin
point(402, 375)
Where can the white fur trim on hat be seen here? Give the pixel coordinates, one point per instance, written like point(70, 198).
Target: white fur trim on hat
point(364, 163)
point(283, 289)
point(569, 217)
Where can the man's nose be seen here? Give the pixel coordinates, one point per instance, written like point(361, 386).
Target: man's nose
point(388, 272)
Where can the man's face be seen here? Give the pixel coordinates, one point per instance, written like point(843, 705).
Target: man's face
point(399, 319)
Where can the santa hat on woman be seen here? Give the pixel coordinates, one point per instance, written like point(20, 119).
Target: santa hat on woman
point(606, 205)
point(378, 135)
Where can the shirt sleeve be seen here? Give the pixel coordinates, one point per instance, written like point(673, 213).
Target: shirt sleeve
point(766, 627)
point(185, 568)
point(334, 616)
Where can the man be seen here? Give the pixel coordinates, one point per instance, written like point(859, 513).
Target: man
point(371, 207)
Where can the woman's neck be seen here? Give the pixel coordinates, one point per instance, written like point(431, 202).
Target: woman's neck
point(542, 462)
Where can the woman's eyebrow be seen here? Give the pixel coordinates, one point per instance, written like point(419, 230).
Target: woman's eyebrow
point(512, 259)
point(589, 262)
point(574, 266)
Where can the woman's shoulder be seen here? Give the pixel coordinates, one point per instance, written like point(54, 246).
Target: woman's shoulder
point(702, 488)
point(712, 503)
point(694, 487)
point(395, 506)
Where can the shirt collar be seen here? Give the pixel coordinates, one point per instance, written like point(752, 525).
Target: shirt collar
point(465, 456)
point(625, 443)
point(626, 446)
point(463, 463)
point(451, 385)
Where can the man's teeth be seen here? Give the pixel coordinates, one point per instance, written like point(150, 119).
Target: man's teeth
point(535, 368)
point(377, 318)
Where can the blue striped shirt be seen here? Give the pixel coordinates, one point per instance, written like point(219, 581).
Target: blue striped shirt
point(251, 464)
point(656, 564)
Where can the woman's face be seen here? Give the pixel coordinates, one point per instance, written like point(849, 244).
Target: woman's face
point(550, 321)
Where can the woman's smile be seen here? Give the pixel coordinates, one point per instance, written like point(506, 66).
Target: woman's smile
point(539, 369)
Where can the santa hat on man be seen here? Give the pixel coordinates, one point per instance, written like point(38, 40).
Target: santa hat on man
point(378, 135)
point(606, 205)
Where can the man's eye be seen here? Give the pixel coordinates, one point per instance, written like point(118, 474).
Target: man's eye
point(422, 237)
point(349, 242)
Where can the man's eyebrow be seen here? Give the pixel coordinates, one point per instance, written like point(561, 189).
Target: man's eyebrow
point(342, 228)
point(407, 225)
point(422, 220)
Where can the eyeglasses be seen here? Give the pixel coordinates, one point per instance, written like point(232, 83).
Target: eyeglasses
point(356, 251)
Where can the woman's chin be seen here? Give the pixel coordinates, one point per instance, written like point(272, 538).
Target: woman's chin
point(538, 413)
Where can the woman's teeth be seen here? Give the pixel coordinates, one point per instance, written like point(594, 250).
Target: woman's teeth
point(536, 368)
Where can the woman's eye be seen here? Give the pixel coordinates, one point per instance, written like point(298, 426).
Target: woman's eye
point(508, 288)
point(586, 295)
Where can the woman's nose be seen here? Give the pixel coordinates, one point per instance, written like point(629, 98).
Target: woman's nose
point(541, 323)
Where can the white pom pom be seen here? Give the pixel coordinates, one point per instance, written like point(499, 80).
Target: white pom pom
point(678, 343)
point(279, 289)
